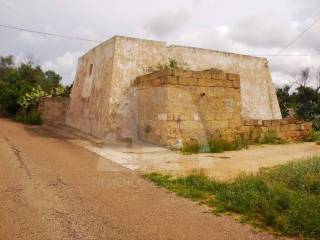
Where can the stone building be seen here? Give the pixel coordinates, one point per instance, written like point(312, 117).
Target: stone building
point(104, 100)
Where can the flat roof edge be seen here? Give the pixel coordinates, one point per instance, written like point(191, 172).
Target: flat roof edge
point(216, 51)
point(171, 46)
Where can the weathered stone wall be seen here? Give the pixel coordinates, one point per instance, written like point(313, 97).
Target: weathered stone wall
point(176, 106)
point(182, 106)
point(286, 129)
point(54, 109)
point(104, 104)
point(89, 105)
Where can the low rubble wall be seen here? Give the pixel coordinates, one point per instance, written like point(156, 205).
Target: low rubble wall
point(54, 109)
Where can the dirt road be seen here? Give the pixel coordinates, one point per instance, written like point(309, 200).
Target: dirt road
point(52, 189)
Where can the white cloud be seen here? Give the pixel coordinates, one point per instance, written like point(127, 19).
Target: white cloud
point(32, 39)
point(165, 23)
point(263, 31)
point(65, 65)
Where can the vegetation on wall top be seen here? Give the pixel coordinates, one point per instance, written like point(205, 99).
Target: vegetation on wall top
point(171, 63)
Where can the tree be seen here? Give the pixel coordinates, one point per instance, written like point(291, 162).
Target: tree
point(17, 81)
point(283, 98)
point(308, 100)
point(304, 77)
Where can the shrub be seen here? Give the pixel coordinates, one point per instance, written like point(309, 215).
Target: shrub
point(215, 146)
point(271, 137)
point(313, 136)
point(283, 99)
point(171, 64)
point(32, 118)
point(190, 148)
point(30, 100)
point(18, 80)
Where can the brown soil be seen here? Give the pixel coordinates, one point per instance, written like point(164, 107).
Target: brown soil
point(52, 189)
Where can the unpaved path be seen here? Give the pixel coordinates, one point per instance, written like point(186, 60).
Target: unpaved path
point(51, 189)
point(222, 166)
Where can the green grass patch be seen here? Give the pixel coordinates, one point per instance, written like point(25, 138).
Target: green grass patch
point(271, 137)
point(285, 198)
point(215, 146)
point(32, 118)
point(313, 136)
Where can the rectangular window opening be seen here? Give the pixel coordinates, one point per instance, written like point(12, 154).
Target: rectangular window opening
point(90, 69)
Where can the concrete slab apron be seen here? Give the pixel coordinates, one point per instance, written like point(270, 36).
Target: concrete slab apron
point(148, 158)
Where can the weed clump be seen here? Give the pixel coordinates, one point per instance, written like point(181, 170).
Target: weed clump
point(216, 146)
point(313, 136)
point(32, 118)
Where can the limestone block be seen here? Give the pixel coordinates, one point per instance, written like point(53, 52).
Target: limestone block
point(219, 76)
point(284, 122)
point(248, 122)
point(257, 123)
point(292, 120)
point(231, 76)
point(306, 126)
point(275, 123)
point(156, 82)
point(169, 80)
point(234, 124)
point(244, 128)
point(284, 128)
point(219, 124)
point(182, 73)
point(293, 127)
point(172, 129)
point(191, 125)
point(266, 123)
point(275, 128)
point(264, 129)
point(206, 82)
point(188, 81)
point(202, 74)
point(236, 83)
point(228, 84)
point(146, 82)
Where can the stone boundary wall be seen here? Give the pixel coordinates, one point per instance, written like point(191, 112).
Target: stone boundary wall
point(54, 109)
point(285, 129)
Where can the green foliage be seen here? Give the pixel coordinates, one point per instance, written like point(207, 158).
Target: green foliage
point(171, 64)
point(32, 118)
point(61, 91)
point(284, 99)
point(216, 146)
point(16, 81)
point(271, 137)
point(30, 100)
point(305, 101)
point(316, 122)
point(313, 136)
point(286, 198)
